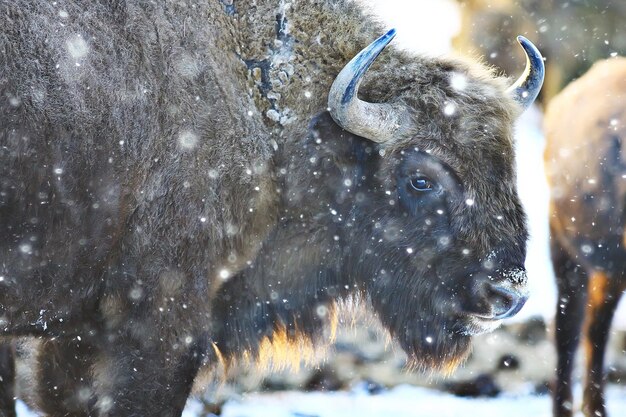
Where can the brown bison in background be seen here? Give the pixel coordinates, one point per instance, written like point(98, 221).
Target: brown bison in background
point(586, 168)
point(571, 34)
point(184, 184)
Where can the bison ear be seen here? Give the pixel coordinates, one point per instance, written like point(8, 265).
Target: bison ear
point(332, 140)
point(323, 126)
point(336, 156)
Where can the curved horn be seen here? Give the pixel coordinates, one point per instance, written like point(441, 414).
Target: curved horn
point(526, 88)
point(375, 121)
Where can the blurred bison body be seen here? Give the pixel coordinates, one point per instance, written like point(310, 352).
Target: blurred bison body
point(586, 166)
point(173, 191)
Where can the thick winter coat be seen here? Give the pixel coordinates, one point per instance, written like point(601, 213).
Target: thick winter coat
point(174, 191)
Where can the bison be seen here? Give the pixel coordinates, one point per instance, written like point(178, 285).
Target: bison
point(187, 183)
point(586, 167)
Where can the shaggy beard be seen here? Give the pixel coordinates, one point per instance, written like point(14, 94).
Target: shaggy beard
point(443, 359)
point(437, 347)
point(435, 338)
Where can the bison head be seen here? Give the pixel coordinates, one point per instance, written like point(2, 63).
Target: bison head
point(405, 199)
point(423, 202)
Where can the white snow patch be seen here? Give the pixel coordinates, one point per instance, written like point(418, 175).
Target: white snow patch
point(458, 81)
point(23, 410)
point(449, 109)
point(402, 401)
point(533, 191)
point(77, 47)
point(423, 25)
point(26, 248)
point(224, 274)
point(187, 140)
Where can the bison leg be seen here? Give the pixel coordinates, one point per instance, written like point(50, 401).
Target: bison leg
point(141, 382)
point(64, 384)
point(124, 378)
point(7, 379)
point(147, 364)
point(603, 297)
point(571, 282)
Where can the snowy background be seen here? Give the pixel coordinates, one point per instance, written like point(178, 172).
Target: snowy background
point(427, 26)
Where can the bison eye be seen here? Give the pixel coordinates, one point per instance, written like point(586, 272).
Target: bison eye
point(422, 184)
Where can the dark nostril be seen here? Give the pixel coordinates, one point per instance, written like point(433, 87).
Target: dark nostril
point(504, 301)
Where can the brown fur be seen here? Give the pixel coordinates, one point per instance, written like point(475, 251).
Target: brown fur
point(586, 167)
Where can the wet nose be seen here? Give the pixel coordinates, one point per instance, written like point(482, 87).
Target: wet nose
point(505, 301)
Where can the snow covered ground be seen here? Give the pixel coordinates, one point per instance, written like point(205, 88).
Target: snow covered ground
point(402, 401)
